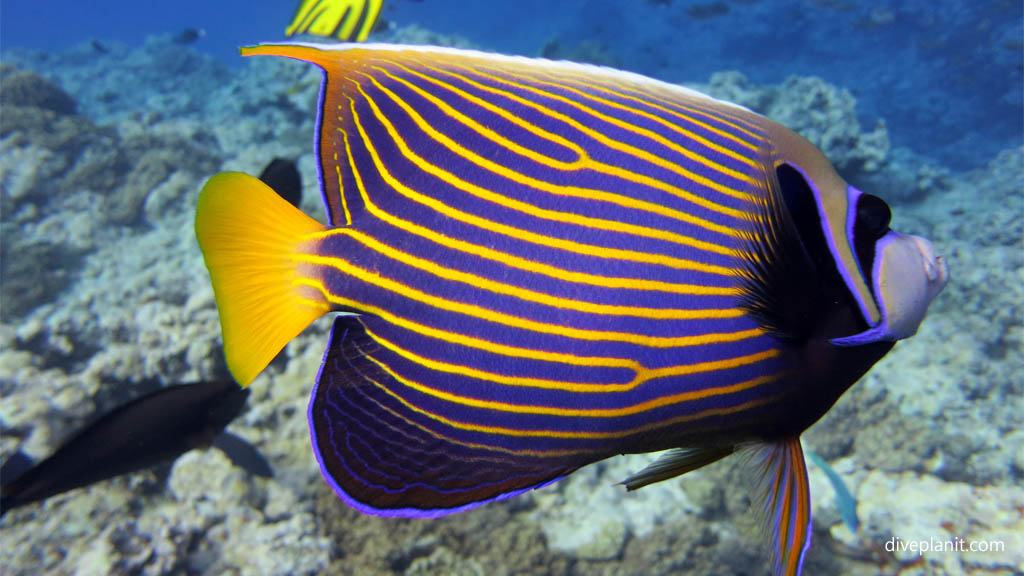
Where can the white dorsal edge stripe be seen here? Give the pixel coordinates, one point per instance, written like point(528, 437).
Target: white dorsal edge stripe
point(610, 73)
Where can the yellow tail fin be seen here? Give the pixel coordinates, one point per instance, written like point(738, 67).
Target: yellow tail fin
point(249, 236)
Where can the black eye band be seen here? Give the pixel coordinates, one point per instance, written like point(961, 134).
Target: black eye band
point(873, 216)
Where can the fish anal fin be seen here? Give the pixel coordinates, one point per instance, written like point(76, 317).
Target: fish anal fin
point(782, 499)
point(676, 462)
point(383, 456)
point(249, 236)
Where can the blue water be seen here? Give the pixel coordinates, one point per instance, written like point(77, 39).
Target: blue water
point(945, 75)
point(106, 293)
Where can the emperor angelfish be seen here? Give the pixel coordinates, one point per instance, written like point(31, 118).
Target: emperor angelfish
point(544, 264)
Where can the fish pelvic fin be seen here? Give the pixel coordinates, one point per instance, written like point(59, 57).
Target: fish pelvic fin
point(782, 498)
point(250, 238)
point(676, 462)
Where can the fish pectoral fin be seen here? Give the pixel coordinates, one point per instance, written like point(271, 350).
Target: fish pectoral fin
point(782, 498)
point(676, 462)
point(388, 452)
point(250, 238)
point(243, 454)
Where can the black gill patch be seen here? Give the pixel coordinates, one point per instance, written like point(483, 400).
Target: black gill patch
point(790, 281)
point(873, 217)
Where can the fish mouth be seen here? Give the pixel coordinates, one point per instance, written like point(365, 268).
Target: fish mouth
point(936, 270)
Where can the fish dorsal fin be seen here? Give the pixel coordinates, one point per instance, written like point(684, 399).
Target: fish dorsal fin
point(398, 123)
point(782, 499)
point(383, 456)
point(676, 462)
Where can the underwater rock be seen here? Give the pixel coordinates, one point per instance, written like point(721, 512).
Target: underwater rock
point(922, 508)
point(414, 34)
point(681, 547)
point(288, 547)
point(821, 112)
point(566, 511)
point(907, 178)
point(199, 477)
point(496, 539)
point(588, 51)
point(28, 89)
point(444, 562)
point(151, 159)
point(37, 148)
point(607, 544)
point(26, 283)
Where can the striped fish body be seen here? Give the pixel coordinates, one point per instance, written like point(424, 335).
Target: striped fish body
point(546, 264)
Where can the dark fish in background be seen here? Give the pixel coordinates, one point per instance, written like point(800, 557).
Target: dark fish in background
point(189, 35)
point(153, 429)
point(98, 47)
point(551, 264)
point(283, 177)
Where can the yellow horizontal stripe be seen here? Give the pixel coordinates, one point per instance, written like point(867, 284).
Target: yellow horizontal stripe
point(583, 161)
point(511, 231)
point(519, 262)
point(591, 435)
point(641, 374)
point(631, 410)
point(579, 151)
point(519, 206)
point(719, 112)
point(742, 177)
point(702, 105)
point(484, 283)
point(692, 112)
point(756, 143)
point(462, 339)
point(632, 150)
point(689, 135)
point(374, 278)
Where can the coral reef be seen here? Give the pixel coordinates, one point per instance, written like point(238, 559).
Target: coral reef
point(930, 441)
point(587, 51)
point(23, 89)
point(821, 112)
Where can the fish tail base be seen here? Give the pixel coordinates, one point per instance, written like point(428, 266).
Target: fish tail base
point(250, 238)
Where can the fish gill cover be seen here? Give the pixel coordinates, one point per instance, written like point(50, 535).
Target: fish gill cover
point(928, 442)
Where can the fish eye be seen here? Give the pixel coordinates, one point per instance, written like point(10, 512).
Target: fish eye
point(873, 215)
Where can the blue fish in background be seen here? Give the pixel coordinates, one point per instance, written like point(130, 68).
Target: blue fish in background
point(544, 264)
point(845, 501)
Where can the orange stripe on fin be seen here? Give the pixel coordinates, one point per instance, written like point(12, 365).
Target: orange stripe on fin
point(783, 495)
point(249, 236)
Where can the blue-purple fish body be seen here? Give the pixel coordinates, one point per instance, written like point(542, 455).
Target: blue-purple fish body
point(545, 264)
